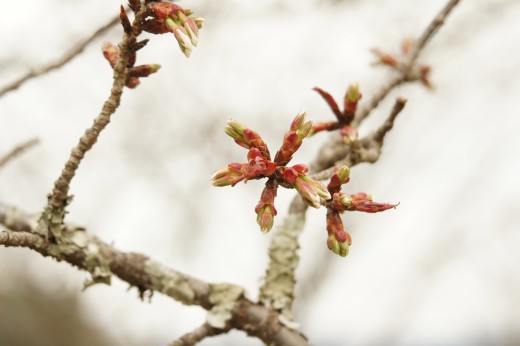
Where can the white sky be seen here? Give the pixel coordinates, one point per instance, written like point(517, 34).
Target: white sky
point(441, 269)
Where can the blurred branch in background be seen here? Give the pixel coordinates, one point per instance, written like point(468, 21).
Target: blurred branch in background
point(19, 149)
point(31, 315)
point(60, 62)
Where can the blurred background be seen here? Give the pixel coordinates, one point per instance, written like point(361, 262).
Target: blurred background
point(441, 269)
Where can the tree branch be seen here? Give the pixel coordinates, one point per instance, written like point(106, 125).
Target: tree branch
point(19, 149)
point(432, 28)
point(66, 58)
point(409, 62)
point(226, 304)
point(59, 196)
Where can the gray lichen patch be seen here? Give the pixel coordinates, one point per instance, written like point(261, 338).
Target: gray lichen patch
point(278, 290)
point(170, 282)
point(223, 297)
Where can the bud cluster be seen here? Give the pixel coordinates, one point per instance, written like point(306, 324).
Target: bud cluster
point(111, 53)
point(260, 165)
point(161, 17)
point(339, 240)
point(413, 73)
point(345, 117)
point(167, 17)
point(312, 192)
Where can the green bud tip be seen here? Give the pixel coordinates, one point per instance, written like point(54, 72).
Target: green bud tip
point(343, 249)
point(343, 172)
point(346, 200)
point(353, 92)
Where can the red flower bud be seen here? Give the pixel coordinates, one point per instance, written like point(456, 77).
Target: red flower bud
point(143, 70)
point(340, 176)
point(258, 166)
point(293, 139)
point(311, 191)
point(231, 175)
point(362, 201)
point(173, 18)
point(125, 22)
point(265, 209)
point(111, 53)
point(350, 102)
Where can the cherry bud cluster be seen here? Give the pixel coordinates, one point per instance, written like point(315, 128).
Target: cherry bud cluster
point(398, 62)
point(339, 240)
point(314, 193)
point(167, 17)
point(260, 165)
point(161, 17)
point(343, 118)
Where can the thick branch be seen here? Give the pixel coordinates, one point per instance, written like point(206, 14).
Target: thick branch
point(19, 149)
point(227, 305)
point(89, 253)
point(67, 57)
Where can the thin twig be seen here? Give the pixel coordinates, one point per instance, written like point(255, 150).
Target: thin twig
point(67, 57)
point(278, 288)
point(377, 98)
point(60, 191)
point(198, 334)
point(379, 134)
point(426, 36)
point(19, 149)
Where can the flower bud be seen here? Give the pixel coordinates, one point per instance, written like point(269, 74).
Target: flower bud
point(350, 102)
point(343, 173)
point(330, 102)
point(343, 249)
point(125, 22)
point(311, 190)
point(265, 209)
point(231, 175)
point(111, 53)
point(246, 138)
point(349, 134)
point(339, 248)
point(265, 217)
point(293, 139)
point(362, 201)
point(143, 70)
point(333, 244)
point(176, 20)
point(258, 166)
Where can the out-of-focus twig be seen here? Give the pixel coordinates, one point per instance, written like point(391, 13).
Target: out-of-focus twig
point(435, 25)
point(19, 149)
point(409, 63)
point(67, 57)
